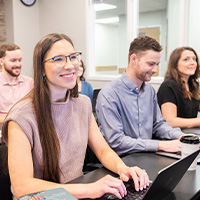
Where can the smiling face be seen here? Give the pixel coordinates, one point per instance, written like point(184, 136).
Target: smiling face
point(60, 79)
point(144, 65)
point(187, 64)
point(12, 63)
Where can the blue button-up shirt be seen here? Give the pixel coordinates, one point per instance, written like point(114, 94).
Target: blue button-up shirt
point(129, 117)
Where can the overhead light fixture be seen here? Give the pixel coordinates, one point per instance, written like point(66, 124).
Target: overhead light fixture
point(108, 20)
point(103, 6)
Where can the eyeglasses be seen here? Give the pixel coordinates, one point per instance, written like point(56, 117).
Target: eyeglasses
point(60, 61)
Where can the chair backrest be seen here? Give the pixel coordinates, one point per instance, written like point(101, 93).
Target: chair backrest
point(94, 99)
point(91, 161)
point(5, 192)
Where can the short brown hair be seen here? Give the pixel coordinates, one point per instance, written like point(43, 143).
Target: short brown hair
point(143, 43)
point(7, 47)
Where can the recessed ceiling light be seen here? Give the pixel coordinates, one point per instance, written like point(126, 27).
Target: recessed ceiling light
point(103, 6)
point(108, 20)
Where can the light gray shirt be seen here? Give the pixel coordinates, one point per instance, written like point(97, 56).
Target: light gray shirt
point(130, 117)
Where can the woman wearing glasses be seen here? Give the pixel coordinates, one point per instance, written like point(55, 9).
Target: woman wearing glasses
point(179, 95)
point(47, 132)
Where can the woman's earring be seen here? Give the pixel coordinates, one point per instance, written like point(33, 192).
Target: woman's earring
point(43, 78)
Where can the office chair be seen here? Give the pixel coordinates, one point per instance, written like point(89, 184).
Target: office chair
point(5, 192)
point(91, 162)
point(94, 99)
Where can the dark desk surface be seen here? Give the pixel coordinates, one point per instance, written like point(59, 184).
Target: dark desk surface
point(152, 163)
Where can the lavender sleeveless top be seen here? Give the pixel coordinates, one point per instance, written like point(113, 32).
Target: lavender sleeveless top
point(72, 121)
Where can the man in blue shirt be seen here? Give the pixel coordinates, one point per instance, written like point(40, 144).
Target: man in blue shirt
point(127, 110)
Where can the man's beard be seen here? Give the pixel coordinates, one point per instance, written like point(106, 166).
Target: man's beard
point(10, 71)
point(145, 76)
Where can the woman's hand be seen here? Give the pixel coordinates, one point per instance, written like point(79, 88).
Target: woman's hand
point(108, 184)
point(139, 176)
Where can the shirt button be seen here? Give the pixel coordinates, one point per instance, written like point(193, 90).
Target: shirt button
point(140, 125)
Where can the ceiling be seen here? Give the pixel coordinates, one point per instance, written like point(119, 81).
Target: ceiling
point(144, 6)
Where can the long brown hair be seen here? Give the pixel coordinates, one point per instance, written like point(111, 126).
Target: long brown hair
point(42, 105)
point(173, 72)
point(82, 78)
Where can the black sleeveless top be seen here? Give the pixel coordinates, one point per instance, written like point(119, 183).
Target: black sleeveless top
point(169, 92)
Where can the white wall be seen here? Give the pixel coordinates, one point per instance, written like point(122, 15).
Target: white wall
point(68, 17)
point(173, 16)
point(22, 28)
point(122, 43)
point(107, 35)
point(194, 28)
point(25, 26)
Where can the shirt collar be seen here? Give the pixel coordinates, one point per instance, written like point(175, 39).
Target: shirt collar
point(130, 84)
point(5, 82)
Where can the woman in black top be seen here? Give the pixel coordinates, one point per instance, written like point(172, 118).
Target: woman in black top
point(179, 95)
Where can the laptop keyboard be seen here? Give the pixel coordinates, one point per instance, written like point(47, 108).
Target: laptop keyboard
point(131, 192)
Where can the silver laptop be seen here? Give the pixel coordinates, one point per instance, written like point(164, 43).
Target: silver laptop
point(176, 155)
point(194, 130)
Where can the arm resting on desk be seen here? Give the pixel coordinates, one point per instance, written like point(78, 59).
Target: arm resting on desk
point(169, 111)
point(21, 168)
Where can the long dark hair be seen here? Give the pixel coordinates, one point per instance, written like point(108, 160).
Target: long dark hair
point(82, 78)
point(42, 105)
point(173, 72)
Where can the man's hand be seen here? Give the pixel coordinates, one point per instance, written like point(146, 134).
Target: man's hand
point(170, 146)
